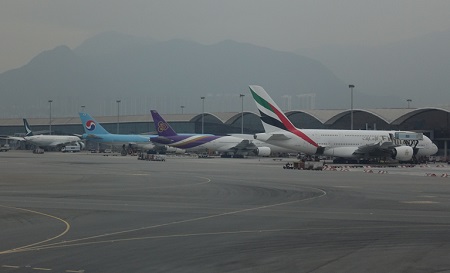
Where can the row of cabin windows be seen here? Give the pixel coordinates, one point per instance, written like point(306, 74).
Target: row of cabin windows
point(340, 144)
point(331, 135)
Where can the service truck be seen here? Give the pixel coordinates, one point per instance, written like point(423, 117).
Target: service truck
point(70, 148)
point(5, 148)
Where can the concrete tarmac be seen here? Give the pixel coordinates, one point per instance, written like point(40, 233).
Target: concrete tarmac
point(93, 213)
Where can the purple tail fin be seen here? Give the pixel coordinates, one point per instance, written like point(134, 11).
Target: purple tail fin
point(161, 126)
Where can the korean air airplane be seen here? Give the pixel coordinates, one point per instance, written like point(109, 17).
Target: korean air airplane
point(95, 132)
point(357, 144)
point(199, 142)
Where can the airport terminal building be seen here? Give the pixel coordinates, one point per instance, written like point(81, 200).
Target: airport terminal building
point(432, 122)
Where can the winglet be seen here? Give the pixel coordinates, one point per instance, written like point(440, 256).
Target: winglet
point(27, 128)
point(161, 126)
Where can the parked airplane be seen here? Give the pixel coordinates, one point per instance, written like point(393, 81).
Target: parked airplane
point(95, 132)
point(357, 144)
point(202, 142)
point(43, 141)
point(264, 148)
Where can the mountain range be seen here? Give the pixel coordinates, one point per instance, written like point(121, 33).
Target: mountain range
point(146, 74)
point(415, 69)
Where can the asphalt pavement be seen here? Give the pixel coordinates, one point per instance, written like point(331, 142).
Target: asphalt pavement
point(92, 213)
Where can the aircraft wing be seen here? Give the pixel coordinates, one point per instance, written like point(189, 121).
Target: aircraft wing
point(375, 148)
point(93, 136)
point(245, 145)
point(12, 138)
point(56, 143)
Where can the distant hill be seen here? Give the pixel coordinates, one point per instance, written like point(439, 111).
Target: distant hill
point(416, 69)
point(145, 74)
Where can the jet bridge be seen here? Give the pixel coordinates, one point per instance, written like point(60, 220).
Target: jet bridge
point(408, 136)
point(408, 139)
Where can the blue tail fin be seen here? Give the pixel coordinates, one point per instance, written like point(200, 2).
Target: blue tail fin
point(27, 127)
point(161, 126)
point(90, 125)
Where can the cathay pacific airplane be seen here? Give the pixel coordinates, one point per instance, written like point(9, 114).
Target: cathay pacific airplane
point(95, 132)
point(200, 142)
point(357, 144)
point(43, 141)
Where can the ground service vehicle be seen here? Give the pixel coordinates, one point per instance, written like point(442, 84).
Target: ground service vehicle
point(70, 148)
point(5, 148)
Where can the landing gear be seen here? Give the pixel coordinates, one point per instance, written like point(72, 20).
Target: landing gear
point(227, 155)
point(340, 160)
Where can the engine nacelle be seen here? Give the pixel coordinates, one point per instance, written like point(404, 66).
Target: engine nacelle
point(263, 151)
point(174, 150)
point(402, 153)
point(262, 136)
point(82, 145)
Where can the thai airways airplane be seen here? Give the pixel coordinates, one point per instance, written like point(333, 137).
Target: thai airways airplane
point(46, 140)
point(200, 142)
point(357, 144)
point(95, 132)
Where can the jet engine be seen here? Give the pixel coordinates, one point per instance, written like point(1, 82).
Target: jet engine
point(262, 136)
point(402, 153)
point(174, 150)
point(82, 145)
point(263, 151)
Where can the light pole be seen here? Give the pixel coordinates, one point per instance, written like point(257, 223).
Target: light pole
point(351, 86)
point(409, 101)
point(50, 120)
point(242, 112)
point(118, 115)
point(203, 113)
point(182, 107)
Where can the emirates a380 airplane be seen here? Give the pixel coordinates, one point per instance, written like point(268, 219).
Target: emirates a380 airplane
point(356, 144)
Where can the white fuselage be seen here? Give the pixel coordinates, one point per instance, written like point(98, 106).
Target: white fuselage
point(51, 140)
point(339, 143)
point(220, 144)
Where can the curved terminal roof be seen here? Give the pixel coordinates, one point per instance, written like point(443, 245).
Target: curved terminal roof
point(321, 115)
point(404, 117)
point(223, 117)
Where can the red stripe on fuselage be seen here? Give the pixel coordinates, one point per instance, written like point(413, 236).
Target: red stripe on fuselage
point(291, 126)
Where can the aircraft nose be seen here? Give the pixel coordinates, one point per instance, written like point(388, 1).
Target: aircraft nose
point(434, 148)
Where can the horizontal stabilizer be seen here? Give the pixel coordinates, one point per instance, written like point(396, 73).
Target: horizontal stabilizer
point(92, 136)
point(278, 137)
point(161, 140)
point(245, 144)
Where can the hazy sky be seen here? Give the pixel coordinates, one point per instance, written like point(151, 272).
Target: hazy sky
point(29, 27)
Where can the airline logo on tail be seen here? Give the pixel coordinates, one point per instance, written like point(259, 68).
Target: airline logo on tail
point(162, 126)
point(272, 115)
point(27, 128)
point(90, 125)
